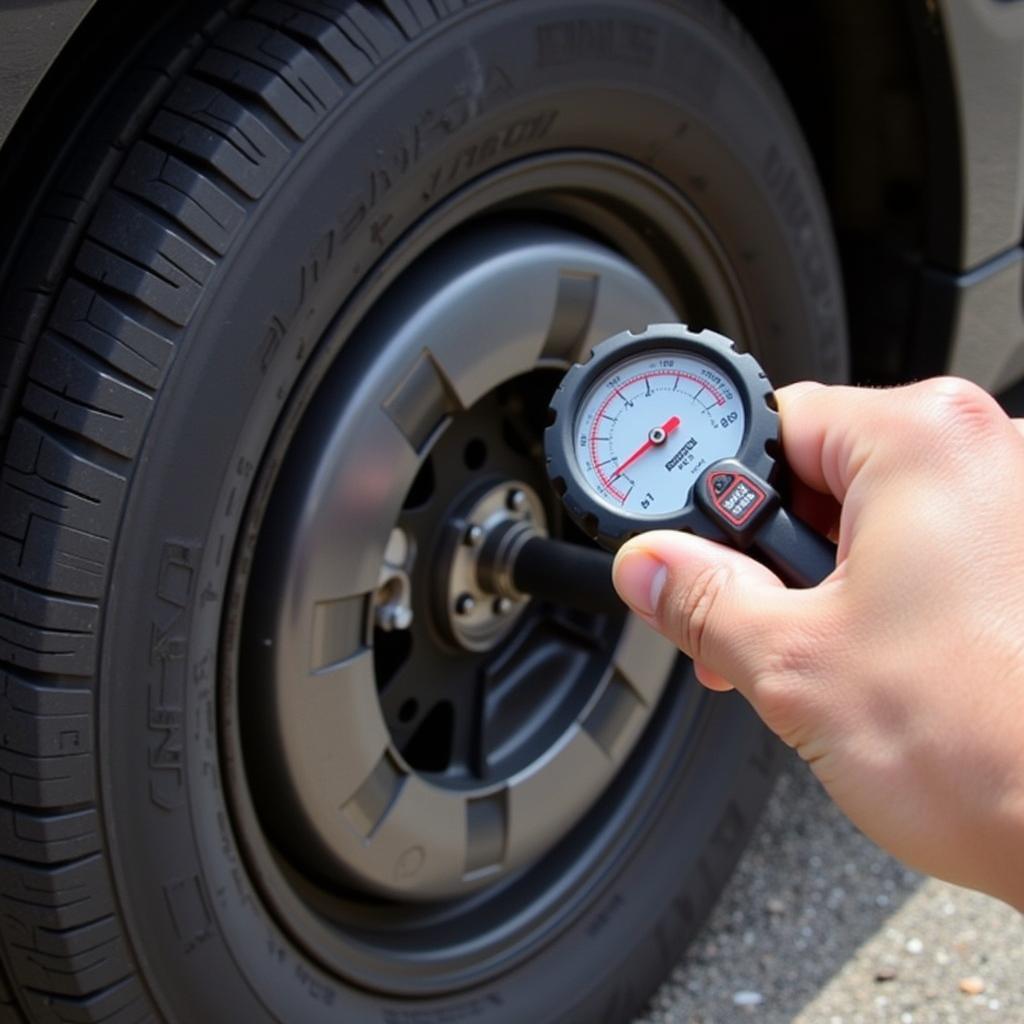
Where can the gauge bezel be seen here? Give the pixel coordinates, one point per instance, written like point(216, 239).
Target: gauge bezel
point(760, 438)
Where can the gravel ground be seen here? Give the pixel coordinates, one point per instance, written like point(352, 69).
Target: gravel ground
point(818, 926)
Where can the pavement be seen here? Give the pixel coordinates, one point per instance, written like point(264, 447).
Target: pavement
point(818, 926)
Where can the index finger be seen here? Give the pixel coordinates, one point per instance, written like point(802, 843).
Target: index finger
point(831, 434)
point(827, 431)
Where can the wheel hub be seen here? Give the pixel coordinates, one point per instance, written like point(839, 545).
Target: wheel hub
point(478, 610)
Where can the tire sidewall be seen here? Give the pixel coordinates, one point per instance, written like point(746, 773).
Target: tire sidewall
point(491, 85)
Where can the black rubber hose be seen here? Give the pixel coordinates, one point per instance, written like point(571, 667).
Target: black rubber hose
point(567, 574)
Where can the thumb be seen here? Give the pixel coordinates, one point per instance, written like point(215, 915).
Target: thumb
point(730, 614)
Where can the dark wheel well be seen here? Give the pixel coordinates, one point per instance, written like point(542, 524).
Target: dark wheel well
point(106, 40)
point(91, 74)
point(871, 84)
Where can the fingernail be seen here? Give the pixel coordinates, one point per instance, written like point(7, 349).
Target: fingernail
point(639, 579)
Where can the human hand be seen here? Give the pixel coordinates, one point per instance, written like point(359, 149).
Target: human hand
point(900, 678)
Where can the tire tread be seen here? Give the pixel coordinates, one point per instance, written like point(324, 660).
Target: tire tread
point(116, 264)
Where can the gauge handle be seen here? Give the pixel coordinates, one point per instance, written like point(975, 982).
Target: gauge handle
point(800, 555)
point(747, 509)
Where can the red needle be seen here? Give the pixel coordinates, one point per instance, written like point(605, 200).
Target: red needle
point(668, 426)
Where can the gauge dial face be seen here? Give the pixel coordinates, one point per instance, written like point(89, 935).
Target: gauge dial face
point(650, 425)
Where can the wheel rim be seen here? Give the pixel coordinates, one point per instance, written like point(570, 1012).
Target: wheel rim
point(429, 946)
point(399, 764)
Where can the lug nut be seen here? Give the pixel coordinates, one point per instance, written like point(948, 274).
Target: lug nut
point(394, 616)
point(464, 604)
point(516, 500)
point(502, 605)
point(473, 536)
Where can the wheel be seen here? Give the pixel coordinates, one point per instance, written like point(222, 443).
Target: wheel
point(272, 748)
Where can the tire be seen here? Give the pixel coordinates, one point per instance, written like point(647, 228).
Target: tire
point(246, 214)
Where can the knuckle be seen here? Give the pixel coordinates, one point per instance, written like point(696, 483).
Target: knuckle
point(698, 609)
point(794, 672)
point(796, 659)
point(953, 389)
point(781, 706)
point(780, 681)
point(955, 403)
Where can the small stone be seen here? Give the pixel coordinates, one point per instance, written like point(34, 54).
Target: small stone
point(906, 1018)
point(972, 986)
point(775, 906)
point(885, 974)
point(914, 946)
point(747, 998)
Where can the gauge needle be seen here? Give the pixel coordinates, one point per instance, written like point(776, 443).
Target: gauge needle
point(667, 427)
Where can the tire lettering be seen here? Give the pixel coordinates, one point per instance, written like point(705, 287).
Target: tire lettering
point(471, 1009)
point(596, 39)
point(316, 989)
point(468, 101)
point(784, 184)
point(604, 914)
point(189, 910)
point(392, 161)
point(475, 157)
point(168, 644)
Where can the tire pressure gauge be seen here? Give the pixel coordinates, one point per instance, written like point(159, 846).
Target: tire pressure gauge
point(675, 429)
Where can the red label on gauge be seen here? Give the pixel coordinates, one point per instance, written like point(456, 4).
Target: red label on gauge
point(735, 496)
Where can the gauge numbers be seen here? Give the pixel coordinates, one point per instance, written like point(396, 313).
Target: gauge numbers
point(650, 425)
